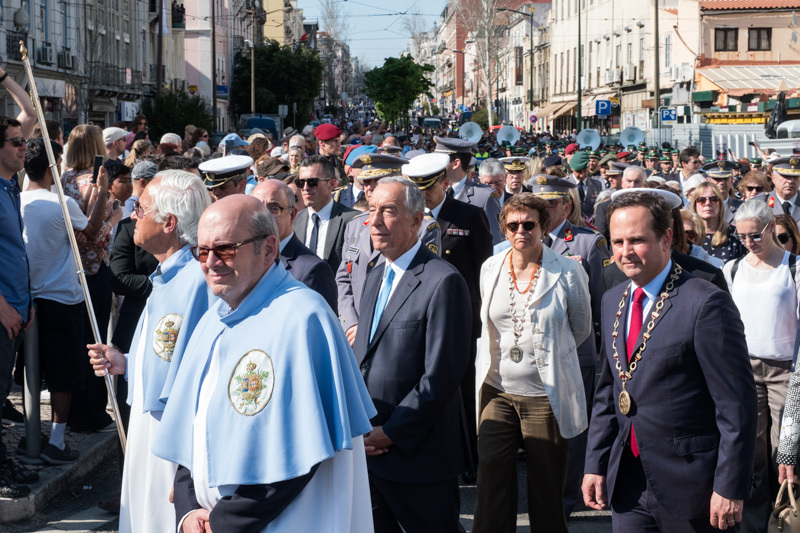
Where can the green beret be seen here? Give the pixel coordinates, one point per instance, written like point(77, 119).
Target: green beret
point(579, 161)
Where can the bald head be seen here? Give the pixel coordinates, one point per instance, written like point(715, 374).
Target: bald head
point(232, 272)
point(280, 201)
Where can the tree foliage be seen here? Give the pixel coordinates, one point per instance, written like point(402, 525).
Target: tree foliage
point(283, 76)
point(481, 118)
point(396, 85)
point(171, 112)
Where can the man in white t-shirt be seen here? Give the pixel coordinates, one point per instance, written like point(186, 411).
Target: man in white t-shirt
point(55, 288)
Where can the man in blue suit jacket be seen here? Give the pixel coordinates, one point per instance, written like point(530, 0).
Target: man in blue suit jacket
point(674, 451)
point(412, 346)
point(301, 263)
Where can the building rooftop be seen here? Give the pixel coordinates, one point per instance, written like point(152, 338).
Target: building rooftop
point(715, 5)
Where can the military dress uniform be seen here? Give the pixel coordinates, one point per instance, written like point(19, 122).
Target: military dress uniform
point(468, 191)
point(589, 248)
point(789, 167)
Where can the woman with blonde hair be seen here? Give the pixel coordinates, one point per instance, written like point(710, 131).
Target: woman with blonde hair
point(88, 409)
point(720, 239)
point(140, 148)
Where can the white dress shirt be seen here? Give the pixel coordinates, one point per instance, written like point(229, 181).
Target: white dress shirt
point(324, 218)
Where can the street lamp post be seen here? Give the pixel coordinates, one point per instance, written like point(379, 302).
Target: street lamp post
point(249, 43)
point(530, 52)
point(463, 71)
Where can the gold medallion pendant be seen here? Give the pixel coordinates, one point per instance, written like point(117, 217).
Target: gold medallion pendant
point(624, 402)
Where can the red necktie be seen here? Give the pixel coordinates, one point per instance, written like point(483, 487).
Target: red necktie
point(633, 333)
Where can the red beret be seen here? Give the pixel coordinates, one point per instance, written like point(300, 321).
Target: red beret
point(621, 155)
point(326, 132)
point(571, 149)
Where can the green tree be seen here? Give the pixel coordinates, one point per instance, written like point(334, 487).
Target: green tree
point(283, 76)
point(396, 85)
point(171, 112)
point(481, 118)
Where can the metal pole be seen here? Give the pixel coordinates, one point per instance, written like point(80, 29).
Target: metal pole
point(580, 70)
point(530, 102)
point(657, 75)
point(213, 65)
point(71, 235)
point(31, 396)
point(159, 50)
point(253, 79)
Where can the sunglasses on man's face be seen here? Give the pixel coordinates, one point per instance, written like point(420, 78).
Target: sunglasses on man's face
point(17, 142)
point(225, 252)
point(528, 225)
point(312, 182)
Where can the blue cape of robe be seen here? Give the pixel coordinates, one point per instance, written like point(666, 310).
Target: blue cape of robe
point(310, 403)
point(179, 290)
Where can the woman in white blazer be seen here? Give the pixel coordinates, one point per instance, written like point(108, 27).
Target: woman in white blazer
point(535, 311)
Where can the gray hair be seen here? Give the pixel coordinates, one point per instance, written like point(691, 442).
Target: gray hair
point(755, 209)
point(415, 200)
point(634, 169)
point(263, 225)
point(183, 195)
point(491, 167)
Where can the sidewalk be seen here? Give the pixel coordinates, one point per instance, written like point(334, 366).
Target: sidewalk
point(94, 448)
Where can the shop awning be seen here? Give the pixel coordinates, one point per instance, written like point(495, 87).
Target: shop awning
point(568, 108)
point(550, 109)
point(740, 80)
point(587, 105)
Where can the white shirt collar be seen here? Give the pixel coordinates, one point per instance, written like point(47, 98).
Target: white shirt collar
point(458, 186)
point(436, 210)
point(400, 265)
point(555, 232)
point(791, 200)
point(325, 212)
point(284, 242)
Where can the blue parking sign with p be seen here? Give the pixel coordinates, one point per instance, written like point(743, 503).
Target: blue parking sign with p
point(669, 114)
point(602, 107)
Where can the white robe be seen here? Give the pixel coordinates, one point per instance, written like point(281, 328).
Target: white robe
point(146, 479)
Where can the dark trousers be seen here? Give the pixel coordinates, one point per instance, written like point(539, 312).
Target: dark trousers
point(508, 421)
point(577, 449)
point(8, 355)
point(88, 410)
point(414, 507)
point(468, 398)
point(634, 508)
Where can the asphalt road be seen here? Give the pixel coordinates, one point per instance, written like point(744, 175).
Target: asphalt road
point(76, 510)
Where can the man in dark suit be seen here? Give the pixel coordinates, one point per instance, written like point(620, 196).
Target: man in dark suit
point(413, 351)
point(320, 226)
point(466, 244)
point(672, 438)
point(299, 261)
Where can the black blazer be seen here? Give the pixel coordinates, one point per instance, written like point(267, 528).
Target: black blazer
point(307, 268)
point(694, 406)
point(413, 367)
point(466, 244)
point(131, 268)
point(613, 276)
point(334, 238)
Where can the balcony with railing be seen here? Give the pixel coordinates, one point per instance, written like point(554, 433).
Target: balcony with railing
point(154, 73)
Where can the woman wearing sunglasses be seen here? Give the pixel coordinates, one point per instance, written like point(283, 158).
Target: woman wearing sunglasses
point(787, 233)
point(753, 185)
point(720, 239)
point(535, 311)
point(765, 289)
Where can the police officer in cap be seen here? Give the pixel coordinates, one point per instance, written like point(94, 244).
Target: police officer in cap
point(588, 187)
point(465, 190)
point(591, 250)
point(466, 244)
point(329, 146)
point(786, 176)
point(358, 257)
point(227, 175)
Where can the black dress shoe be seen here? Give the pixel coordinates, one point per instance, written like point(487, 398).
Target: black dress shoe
point(470, 477)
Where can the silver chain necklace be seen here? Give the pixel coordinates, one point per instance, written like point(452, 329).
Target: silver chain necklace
point(515, 353)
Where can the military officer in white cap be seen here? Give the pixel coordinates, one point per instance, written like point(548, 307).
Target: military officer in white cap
point(515, 173)
point(591, 250)
point(227, 175)
point(465, 190)
point(358, 256)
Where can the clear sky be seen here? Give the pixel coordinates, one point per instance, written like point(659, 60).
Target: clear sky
point(376, 29)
